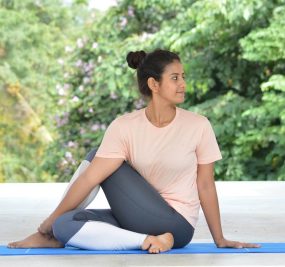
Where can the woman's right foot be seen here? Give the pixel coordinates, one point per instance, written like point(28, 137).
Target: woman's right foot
point(159, 243)
point(36, 240)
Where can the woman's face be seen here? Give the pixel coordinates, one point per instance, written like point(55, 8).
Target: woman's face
point(172, 85)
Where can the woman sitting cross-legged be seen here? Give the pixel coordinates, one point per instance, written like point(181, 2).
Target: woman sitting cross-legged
point(156, 168)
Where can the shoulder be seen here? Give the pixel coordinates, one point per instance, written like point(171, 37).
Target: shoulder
point(128, 118)
point(188, 116)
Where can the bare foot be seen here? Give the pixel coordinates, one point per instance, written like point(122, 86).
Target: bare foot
point(157, 244)
point(36, 240)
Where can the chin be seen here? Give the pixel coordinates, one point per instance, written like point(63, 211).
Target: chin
point(180, 101)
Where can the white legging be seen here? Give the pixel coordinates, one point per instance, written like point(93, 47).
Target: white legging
point(82, 167)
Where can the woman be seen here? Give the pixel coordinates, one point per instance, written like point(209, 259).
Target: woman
point(155, 196)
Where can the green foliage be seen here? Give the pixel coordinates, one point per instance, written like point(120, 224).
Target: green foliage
point(271, 40)
point(223, 82)
point(33, 35)
point(266, 139)
point(232, 51)
point(224, 112)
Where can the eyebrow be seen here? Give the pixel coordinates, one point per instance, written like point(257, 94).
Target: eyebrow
point(177, 73)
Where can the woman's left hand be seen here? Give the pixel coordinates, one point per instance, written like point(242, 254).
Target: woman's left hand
point(224, 243)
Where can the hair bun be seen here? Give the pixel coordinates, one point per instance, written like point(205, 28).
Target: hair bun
point(134, 59)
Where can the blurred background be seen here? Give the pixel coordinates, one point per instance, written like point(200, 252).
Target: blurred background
point(64, 78)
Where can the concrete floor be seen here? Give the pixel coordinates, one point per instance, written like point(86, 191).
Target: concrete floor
point(251, 212)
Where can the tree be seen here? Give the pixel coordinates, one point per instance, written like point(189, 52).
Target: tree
point(33, 36)
point(227, 77)
point(233, 54)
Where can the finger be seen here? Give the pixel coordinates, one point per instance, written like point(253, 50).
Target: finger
point(250, 245)
point(41, 231)
point(246, 245)
point(234, 244)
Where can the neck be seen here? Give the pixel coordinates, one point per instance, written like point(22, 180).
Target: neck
point(160, 115)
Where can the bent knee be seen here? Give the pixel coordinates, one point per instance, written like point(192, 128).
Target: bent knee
point(65, 227)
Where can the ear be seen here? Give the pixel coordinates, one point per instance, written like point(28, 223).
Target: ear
point(153, 84)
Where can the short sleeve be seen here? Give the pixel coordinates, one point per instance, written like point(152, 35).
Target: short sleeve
point(113, 144)
point(207, 150)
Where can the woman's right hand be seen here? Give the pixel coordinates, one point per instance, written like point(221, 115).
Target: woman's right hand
point(45, 227)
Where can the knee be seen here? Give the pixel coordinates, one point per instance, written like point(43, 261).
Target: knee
point(63, 227)
point(58, 229)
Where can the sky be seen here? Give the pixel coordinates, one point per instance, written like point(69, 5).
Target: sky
point(101, 4)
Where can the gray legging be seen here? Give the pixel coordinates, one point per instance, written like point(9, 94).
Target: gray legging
point(135, 206)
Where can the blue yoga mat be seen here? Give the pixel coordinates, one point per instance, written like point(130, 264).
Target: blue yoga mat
point(192, 248)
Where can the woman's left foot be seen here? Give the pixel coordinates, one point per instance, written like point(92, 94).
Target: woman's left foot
point(159, 243)
point(36, 240)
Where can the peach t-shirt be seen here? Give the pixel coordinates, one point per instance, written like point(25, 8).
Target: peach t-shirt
point(166, 157)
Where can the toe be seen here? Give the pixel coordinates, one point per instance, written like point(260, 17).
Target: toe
point(11, 245)
point(16, 245)
point(154, 250)
point(146, 244)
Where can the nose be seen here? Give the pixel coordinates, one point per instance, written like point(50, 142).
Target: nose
point(182, 84)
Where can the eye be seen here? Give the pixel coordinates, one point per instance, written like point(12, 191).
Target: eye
point(176, 78)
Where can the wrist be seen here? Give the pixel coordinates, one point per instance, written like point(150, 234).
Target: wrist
point(219, 240)
point(52, 217)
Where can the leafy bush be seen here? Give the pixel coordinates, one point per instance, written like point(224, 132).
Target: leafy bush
point(233, 54)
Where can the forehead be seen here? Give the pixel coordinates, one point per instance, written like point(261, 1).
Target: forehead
point(174, 67)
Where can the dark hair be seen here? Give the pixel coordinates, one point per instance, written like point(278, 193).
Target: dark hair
point(150, 65)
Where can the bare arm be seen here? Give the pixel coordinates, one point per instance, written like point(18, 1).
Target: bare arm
point(96, 173)
point(209, 200)
point(210, 205)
